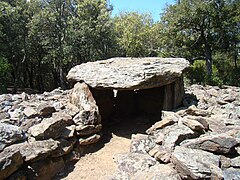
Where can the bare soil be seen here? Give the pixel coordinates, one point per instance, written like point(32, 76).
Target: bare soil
point(99, 164)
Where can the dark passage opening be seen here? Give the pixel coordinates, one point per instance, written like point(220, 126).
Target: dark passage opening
point(129, 106)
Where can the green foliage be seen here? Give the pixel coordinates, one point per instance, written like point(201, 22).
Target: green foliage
point(43, 39)
point(222, 74)
point(4, 70)
point(197, 29)
point(135, 34)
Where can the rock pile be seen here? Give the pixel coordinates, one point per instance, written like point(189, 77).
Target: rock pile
point(40, 133)
point(198, 141)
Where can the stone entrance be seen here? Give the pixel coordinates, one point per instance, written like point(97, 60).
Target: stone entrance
point(130, 87)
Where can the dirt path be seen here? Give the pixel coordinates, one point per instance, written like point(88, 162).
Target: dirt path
point(100, 164)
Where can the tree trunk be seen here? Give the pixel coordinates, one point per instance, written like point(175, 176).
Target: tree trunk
point(62, 78)
point(40, 83)
point(208, 56)
point(235, 56)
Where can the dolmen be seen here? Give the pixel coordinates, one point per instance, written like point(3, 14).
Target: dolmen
point(123, 87)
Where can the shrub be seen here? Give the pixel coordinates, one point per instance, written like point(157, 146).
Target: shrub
point(197, 74)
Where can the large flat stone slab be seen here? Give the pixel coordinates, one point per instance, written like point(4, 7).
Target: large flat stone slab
point(129, 73)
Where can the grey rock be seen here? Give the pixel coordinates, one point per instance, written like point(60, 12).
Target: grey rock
point(161, 154)
point(36, 150)
point(217, 126)
point(159, 138)
point(159, 172)
point(29, 122)
point(82, 97)
point(15, 113)
point(86, 130)
point(62, 115)
point(46, 169)
point(193, 124)
point(231, 174)
point(16, 97)
point(10, 161)
point(130, 163)
point(45, 109)
point(90, 140)
point(129, 73)
point(68, 132)
point(9, 134)
point(4, 115)
point(5, 97)
point(161, 124)
point(30, 112)
point(235, 162)
point(58, 106)
point(64, 147)
point(71, 109)
point(225, 161)
point(222, 143)
point(196, 164)
point(193, 110)
point(48, 128)
point(175, 134)
point(141, 143)
point(201, 120)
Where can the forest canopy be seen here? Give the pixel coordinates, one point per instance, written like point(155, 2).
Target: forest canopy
point(40, 40)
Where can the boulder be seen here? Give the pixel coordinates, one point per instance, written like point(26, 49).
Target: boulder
point(130, 163)
point(62, 115)
point(90, 140)
point(10, 161)
point(141, 143)
point(231, 173)
point(64, 147)
point(196, 164)
point(88, 129)
point(36, 150)
point(68, 132)
point(71, 109)
point(82, 97)
point(193, 110)
point(161, 124)
point(48, 128)
point(161, 154)
point(221, 143)
point(4, 115)
point(45, 109)
point(193, 124)
point(15, 113)
point(235, 162)
point(9, 134)
point(129, 73)
point(46, 169)
point(168, 118)
point(30, 112)
point(175, 134)
point(137, 166)
point(159, 172)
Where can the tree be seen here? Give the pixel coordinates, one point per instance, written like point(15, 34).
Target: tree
point(133, 32)
point(42, 40)
point(198, 29)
